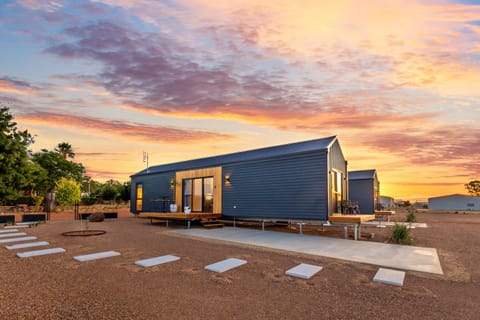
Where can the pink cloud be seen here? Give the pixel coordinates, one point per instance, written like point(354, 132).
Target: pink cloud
point(131, 130)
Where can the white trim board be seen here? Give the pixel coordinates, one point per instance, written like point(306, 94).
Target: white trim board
point(156, 261)
point(35, 253)
point(95, 256)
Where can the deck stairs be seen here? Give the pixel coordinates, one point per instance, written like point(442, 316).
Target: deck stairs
point(211, 223)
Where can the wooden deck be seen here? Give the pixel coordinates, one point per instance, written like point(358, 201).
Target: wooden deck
point(179, 216)
point(351, 218)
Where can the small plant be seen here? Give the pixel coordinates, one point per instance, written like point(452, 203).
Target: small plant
point(411, 217)
point(401, 234)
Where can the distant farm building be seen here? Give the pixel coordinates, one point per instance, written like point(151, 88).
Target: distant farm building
point(304, 180)
point(457, 202)
point(364, 187)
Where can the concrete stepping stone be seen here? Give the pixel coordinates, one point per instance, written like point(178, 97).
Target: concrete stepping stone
point(389, 276)
point(35, 253)
point(225, 265)
point(17, 239)
point(95, 256)
point(156, 261)
point(303, 271)
point(8, 230)
point(26, 224)
point(27, 245)
point(12, 234)
point(14, 227)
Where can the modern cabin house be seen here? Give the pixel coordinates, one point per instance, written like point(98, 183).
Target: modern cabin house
point(364, 187)
point(305, 180)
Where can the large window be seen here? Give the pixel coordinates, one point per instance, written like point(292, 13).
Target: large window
point(337, 190)
point(139, 197)
point(198, 194)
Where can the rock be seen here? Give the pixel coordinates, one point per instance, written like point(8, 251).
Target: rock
point(96, 217)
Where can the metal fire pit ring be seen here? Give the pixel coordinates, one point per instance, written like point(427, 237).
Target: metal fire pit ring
point(83, 233)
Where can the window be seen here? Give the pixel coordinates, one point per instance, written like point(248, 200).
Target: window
point(198, 194)
point(139, 197)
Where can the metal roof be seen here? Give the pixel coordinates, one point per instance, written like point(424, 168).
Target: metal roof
point(362, 174)
point(281, 150)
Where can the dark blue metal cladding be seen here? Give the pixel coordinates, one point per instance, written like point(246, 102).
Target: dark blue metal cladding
point(362, 191)
point(155, 186)
point(289, 187)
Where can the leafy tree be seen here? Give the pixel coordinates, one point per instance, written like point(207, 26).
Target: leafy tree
point(473, 187)
point(15, 166)
point(66, 150)
point(109, 192)
point(57, 167)
point(67, 191)
point(91, 186)
point(125, 191)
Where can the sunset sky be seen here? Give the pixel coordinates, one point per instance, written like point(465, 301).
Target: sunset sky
point(397, 81)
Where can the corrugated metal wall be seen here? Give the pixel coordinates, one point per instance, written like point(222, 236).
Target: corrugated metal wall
point(155, 186)
point(291, 187)
point(362, 191)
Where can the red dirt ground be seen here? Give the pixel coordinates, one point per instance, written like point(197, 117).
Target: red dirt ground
point(58, 287)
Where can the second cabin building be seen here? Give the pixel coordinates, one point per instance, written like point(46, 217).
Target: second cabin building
point(305, 180)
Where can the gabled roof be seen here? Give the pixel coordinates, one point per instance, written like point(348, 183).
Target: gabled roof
point(362, 174)
point(281, 150)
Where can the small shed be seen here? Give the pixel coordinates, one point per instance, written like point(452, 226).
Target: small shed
point(459, 202)
point(387, 203)
point(304, 180)
point(364, 187)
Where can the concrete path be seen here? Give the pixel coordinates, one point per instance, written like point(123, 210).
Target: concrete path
point(381, 254)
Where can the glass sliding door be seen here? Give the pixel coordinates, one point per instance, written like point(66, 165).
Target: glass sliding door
point(198, 194)
point(187, 193)
point(208, 195)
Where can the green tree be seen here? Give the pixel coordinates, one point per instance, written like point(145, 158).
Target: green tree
point(110, 192)
point(15, 166)
point(473, 187)
point(67, 191)
point(57, 167)
point(66, 150)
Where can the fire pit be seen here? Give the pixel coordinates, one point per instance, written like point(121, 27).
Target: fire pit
point(84, 233)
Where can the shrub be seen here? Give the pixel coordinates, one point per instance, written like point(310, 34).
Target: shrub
point(87, 201)
point(401, 234)
point(411, 217)
point(67, 191)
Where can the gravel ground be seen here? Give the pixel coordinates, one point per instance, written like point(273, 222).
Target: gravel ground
point(58, 287)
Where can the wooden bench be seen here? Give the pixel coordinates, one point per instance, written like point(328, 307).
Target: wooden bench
point(354, 220)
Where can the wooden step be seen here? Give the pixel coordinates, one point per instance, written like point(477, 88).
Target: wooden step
point(213, 225)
